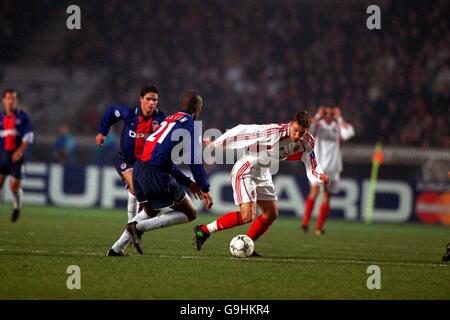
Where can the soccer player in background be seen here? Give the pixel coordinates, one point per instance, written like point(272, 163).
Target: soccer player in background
point(16, 134)
point(159, 183)
point(330, 130)
point(251, 178)
point(446, 256)
point(139, 123)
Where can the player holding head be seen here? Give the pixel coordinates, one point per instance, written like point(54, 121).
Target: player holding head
point(251, 178)
point(139, 123)
point(158, 183)
point(16, 134)
point(330, 130)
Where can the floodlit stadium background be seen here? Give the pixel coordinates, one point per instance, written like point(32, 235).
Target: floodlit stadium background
point(253, 62)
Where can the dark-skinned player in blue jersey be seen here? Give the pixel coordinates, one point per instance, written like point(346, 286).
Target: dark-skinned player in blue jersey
point(158, 183)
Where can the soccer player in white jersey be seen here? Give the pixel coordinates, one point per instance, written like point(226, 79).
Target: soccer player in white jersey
point(251, 178)
point(329, 130)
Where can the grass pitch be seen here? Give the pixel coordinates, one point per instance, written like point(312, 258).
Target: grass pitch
point(36, 252)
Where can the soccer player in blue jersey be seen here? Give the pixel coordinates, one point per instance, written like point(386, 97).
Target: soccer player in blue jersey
point(158, 183)
point(16, 134)
point(139, 123)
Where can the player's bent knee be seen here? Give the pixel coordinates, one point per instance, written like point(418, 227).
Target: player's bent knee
point(14, 185)
point(247, 219)
point(274, 215)
point(151, 213)
point(271, 216)
point(313, 195)
point(192, 215)
point(248, 216)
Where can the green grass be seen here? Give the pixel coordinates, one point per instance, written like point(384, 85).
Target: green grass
point(36, 251)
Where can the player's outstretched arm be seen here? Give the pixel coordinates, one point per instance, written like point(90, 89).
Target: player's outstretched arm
point(27, 139)
point(112, 115)
point(240, 136)
point(100, 139)
point(196, 162)
point(18, 154)
point(314, 171)
point(207, 199)
point(187, 182)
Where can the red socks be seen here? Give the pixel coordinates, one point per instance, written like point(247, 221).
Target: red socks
point(227, 221)
point(323, 214)
point(259, 227)
point(309, 206)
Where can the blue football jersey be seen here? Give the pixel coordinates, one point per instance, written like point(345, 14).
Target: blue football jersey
point(158, 147)
point(135, 130)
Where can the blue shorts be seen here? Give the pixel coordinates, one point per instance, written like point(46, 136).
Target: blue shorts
point(8, 167)
point(158, 188)
point(123, 163)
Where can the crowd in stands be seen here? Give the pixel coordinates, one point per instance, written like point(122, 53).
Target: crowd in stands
point(261, 61)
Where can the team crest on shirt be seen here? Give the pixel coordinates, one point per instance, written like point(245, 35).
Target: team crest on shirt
point(123, 166)
point(155, 125)
point(297, 148)
point(117, 113)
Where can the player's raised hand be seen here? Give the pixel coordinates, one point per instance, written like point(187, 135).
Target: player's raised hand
point(337, 113)
point(99, 139)
point(196, 191)
point(319, 113)
point(207, 200)
point(324, 178)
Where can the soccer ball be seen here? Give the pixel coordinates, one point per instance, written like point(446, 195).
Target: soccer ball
point(242, 246)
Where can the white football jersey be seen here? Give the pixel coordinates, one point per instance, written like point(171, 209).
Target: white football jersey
point(265, 144)
point(329, 138)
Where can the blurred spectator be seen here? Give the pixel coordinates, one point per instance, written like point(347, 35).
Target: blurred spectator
point(63, 150)
point(261, 61)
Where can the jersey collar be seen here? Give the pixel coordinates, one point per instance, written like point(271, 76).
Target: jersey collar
point(138, 112)
point(14, 113)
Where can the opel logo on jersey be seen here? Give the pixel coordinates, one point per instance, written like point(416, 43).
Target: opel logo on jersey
point(8, 133)
point(133, 134)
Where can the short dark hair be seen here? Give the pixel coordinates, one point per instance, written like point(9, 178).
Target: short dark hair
point(191, 101)
point(303, 119)
point(148, 88)
point(9, 90)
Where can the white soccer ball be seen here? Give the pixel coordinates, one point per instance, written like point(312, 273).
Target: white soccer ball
point(242, 246)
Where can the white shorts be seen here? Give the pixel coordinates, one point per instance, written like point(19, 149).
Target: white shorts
point(251, 183)
point(333, 185)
